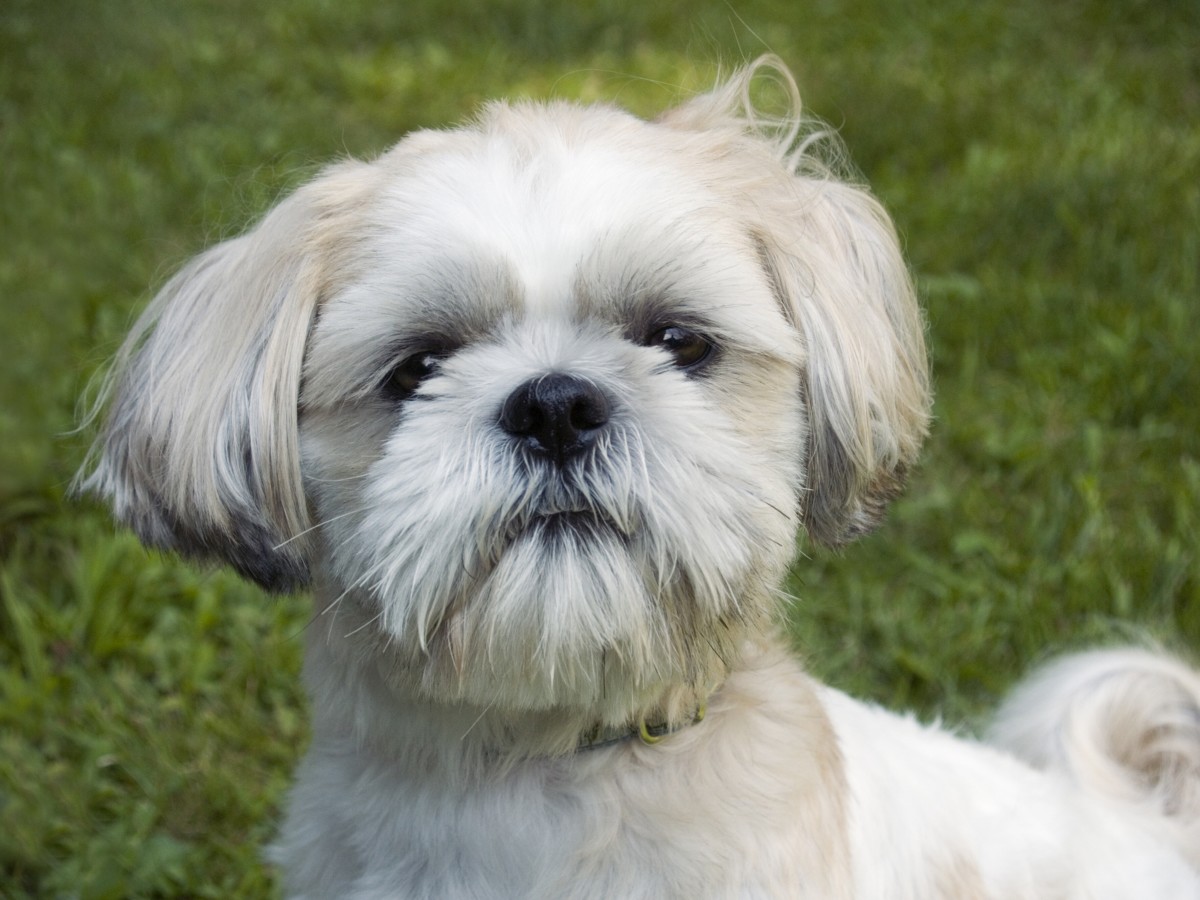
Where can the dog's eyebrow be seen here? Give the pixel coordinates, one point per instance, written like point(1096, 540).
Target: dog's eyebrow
point(454, 308)
point(445, 303)
point(466, 298)
point(648, 313)
point(637, 308)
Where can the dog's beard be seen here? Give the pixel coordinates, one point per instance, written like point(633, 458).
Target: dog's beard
point(502, 580)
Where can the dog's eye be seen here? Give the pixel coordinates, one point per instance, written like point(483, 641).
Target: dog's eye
point(404, 379)
point(688, 348)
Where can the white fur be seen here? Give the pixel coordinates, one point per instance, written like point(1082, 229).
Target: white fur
point(481, 607)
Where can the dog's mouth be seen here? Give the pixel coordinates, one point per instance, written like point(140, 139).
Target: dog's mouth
point(553, 525)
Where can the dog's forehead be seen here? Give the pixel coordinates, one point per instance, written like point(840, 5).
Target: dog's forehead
point(474, 232)
point(565, 220)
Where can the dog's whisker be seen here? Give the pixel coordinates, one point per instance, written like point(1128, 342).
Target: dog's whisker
point(325, 523)
point(478, 719)
point(345, 479)
point(365, 625)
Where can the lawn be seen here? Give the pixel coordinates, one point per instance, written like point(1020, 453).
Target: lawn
point(1042, 162)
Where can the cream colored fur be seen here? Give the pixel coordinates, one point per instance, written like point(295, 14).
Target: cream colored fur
point(537, 407)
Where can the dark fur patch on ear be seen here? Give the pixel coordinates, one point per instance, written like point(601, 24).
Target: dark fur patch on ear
point(248, 545)
point(872, 506)
point(836, 514)
point(253, 551)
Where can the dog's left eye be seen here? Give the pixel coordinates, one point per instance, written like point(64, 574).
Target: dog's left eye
point(688, 348)
point(404, 379)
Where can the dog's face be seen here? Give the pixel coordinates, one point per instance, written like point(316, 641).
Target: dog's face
point(526, 421)
point(545, 398)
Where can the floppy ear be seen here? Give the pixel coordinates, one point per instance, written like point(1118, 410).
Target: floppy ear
point(199, 452)
point(834, 261)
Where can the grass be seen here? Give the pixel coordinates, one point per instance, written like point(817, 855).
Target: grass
point(1042, 162)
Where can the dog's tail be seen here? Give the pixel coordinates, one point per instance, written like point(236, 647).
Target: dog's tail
point(1121, 723)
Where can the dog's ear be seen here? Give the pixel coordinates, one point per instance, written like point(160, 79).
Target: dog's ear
point(834, 261)
point(836, 267)
point(199, 451)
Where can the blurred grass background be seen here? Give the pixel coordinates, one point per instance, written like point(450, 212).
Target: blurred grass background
point(1042, 162)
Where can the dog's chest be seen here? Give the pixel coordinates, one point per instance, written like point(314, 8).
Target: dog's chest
point(550, 833)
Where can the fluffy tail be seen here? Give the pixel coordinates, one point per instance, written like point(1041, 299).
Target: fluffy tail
point(1121, 723)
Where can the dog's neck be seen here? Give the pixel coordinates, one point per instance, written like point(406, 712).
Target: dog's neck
point(360, 694)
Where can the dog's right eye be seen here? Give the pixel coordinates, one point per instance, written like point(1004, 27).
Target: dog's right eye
point(406, 376)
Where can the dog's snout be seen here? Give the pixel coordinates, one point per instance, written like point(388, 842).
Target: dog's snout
point(555, 415)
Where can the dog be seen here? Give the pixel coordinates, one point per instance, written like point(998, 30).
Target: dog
point(537, 407)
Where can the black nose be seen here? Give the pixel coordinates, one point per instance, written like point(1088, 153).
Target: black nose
point(555, 415)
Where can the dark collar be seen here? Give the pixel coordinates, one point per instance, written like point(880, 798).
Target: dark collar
point(646, 732)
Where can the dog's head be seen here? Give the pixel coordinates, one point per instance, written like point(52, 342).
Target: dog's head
point(549, 395)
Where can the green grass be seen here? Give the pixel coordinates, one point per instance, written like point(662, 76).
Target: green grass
point(1042, 162)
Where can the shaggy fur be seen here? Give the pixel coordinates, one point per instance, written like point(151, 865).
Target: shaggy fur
point(537, 407)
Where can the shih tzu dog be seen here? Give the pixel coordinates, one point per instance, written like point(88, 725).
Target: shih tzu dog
point(537, 407)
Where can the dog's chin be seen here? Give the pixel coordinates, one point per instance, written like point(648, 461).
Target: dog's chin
point(574, 610)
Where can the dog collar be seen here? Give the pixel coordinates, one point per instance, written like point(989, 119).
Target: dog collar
point(647, 732)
